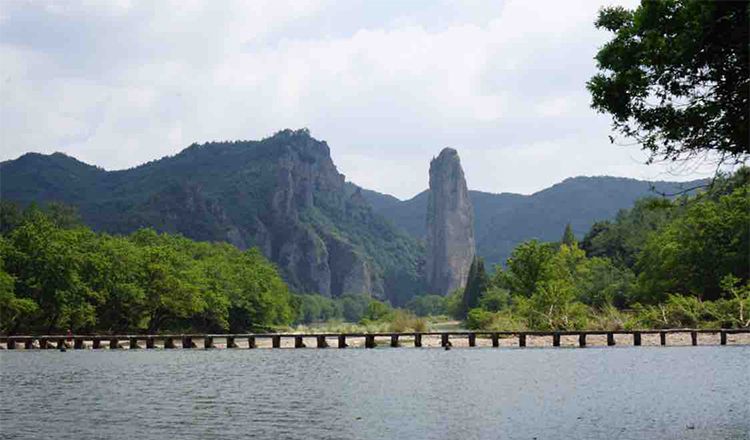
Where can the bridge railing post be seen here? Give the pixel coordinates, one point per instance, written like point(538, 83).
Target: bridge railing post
point(444, 340)
point(610, 339)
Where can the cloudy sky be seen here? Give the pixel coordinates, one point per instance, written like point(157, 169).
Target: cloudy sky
point(386, 83)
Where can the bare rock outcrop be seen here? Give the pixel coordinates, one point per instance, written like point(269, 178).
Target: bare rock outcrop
point(450, 225)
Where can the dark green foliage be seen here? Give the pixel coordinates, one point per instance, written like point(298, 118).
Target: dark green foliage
point(476, 285)
point(676, 77)
point(691, 258)
point(428, 305)
point(224, 191)
point(57, 275)
point(623, 239)
point(692, 254)
point(503, 221)
point(568, 237)
point(527, 267)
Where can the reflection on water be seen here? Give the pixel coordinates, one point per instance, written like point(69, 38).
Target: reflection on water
point(477, 393)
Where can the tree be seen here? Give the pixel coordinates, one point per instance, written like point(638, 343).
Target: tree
point(692, 255)
point(568, 237)
point(477, 283)
point(527, 267)
point(675, 77)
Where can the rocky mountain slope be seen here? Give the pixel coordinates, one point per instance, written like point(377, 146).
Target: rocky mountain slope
point(282, 194)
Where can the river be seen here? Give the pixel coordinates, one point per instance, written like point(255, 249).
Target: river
point(385, 393)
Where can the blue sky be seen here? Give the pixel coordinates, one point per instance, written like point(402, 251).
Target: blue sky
point(388, 84)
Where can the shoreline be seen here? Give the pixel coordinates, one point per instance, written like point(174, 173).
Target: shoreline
point(428, 341)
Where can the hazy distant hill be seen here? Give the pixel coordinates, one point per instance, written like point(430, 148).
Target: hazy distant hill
point(504, 220)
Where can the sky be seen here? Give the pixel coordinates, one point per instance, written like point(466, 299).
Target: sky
point(388, 84)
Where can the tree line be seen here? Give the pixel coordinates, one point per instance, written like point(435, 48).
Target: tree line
point(56, 274)
point(664, 263)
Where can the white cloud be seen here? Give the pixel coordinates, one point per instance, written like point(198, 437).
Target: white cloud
point(387, 84)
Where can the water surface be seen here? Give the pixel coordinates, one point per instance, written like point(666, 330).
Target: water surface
point(472, 393)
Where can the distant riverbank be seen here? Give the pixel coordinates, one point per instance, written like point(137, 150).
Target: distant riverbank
point(428, 341)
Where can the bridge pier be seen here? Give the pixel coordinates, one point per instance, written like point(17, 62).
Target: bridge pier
point(113, 344)
point(444, 341)
point(28, 344)
point(418, 340)
point(521, 339)
point(322, 343)
point(694, 337)
point(394, 341)
point(149, 343)
point(472, 340)
point(342, 341)
point(251, 342)
point(495, 340)
point(230, 342)
point(610, 339)
point(276, 341)
point(582, 340)
point(208, 342)
point(723, 337)
point(298, 342)
point(663, 338)
point(168, 343)
point(556, 339)
point(78, 343)
point(637, 338)
point(369, 341)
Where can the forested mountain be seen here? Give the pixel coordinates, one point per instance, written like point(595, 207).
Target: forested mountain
point(502, 221)
point(282, 194)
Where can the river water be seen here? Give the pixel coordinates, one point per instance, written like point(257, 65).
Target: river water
point(404, 393)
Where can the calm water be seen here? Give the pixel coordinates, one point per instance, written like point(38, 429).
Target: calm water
point(473, 393)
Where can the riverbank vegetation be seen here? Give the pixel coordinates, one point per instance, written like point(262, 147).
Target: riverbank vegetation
point(662, 264)
point(56, 274)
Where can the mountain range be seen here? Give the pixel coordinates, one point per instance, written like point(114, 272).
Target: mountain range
point(284, 195)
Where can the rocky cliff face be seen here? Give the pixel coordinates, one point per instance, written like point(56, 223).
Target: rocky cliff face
point(292, 232)
point(282, 194)
point(450, 225)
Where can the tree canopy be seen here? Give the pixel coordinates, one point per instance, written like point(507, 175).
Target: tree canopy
point(675, 77)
